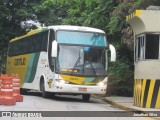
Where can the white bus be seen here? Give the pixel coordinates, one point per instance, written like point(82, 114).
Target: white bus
point(62, 60)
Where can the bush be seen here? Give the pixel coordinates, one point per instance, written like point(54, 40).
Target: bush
point(121, 74)
point(120, 80)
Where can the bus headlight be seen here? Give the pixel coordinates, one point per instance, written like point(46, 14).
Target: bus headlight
point(101, 84)
point(62, 81)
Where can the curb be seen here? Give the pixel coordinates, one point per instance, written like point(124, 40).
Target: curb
point(123, 107)
point(116, 104)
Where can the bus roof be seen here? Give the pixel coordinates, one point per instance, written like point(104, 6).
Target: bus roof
point(60, 27)
point(32, 32)
point(75, 28)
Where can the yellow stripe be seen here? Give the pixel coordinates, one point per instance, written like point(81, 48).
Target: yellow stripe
point(158, 100)
point(127, 18)
point(135, 95)
point(29, 34)
point(149, 98)
point(143, 89)
point(138, 12)
point(73, 79)
point(134, 91)
point(76, 80)
point(139, 92)
point(19, 69)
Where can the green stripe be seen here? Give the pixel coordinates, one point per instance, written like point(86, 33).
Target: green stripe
point(89, 79)
point(94, 79)
point(30, 63)
point(32, 67)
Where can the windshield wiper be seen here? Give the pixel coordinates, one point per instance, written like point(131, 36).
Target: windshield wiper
point(76, 64)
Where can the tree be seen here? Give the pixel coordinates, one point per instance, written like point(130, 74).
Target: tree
point(51, 12)
point(13, 13)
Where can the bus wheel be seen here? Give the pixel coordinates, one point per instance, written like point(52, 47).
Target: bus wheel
point(44, 93)
point(86, 97)
point(23, 91)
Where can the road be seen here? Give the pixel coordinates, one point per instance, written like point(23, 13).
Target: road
point(34, 102)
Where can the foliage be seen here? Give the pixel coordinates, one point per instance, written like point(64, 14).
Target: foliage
point(121, 77)
point(93, 13)
point(51, 12)
point(12, 14)
point(121, 72)
point(145, 3)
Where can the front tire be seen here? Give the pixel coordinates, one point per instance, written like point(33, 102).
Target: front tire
point(86, 97)
point(44, 93)
point(23, 91)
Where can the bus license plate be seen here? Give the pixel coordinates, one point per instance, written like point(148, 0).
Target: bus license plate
point(82, 89)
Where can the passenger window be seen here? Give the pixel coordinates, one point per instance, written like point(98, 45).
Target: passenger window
point(152, 47)
point(147, 47)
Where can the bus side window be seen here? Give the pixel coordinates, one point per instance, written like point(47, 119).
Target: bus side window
point(25, 43)
point(10, 49)
point(21, 47)
point(37, 43)
point(44, 41)
point(51, 60)
point(32, 44)
point(17, 52)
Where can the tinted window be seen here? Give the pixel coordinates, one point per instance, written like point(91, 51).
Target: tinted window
point(152, 46)
point(31, 44)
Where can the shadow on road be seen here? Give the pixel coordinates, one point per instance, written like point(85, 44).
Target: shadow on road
point(57, 97)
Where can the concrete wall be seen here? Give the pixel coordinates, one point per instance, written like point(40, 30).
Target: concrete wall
point(148, 69)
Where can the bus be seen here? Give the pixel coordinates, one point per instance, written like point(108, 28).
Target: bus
point(61, 59)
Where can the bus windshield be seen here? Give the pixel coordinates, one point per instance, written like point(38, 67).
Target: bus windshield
point(81, 60)
point(81, 38)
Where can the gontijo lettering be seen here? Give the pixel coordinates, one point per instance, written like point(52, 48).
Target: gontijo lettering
point(20, 61)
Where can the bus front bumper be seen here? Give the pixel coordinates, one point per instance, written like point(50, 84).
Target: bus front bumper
point(79, 89)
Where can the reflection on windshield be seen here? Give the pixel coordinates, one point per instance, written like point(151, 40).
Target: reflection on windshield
point(73, 37)
point(80, 60)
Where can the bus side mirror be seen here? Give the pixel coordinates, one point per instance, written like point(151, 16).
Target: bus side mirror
point(113, 53)
point(54, 49)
